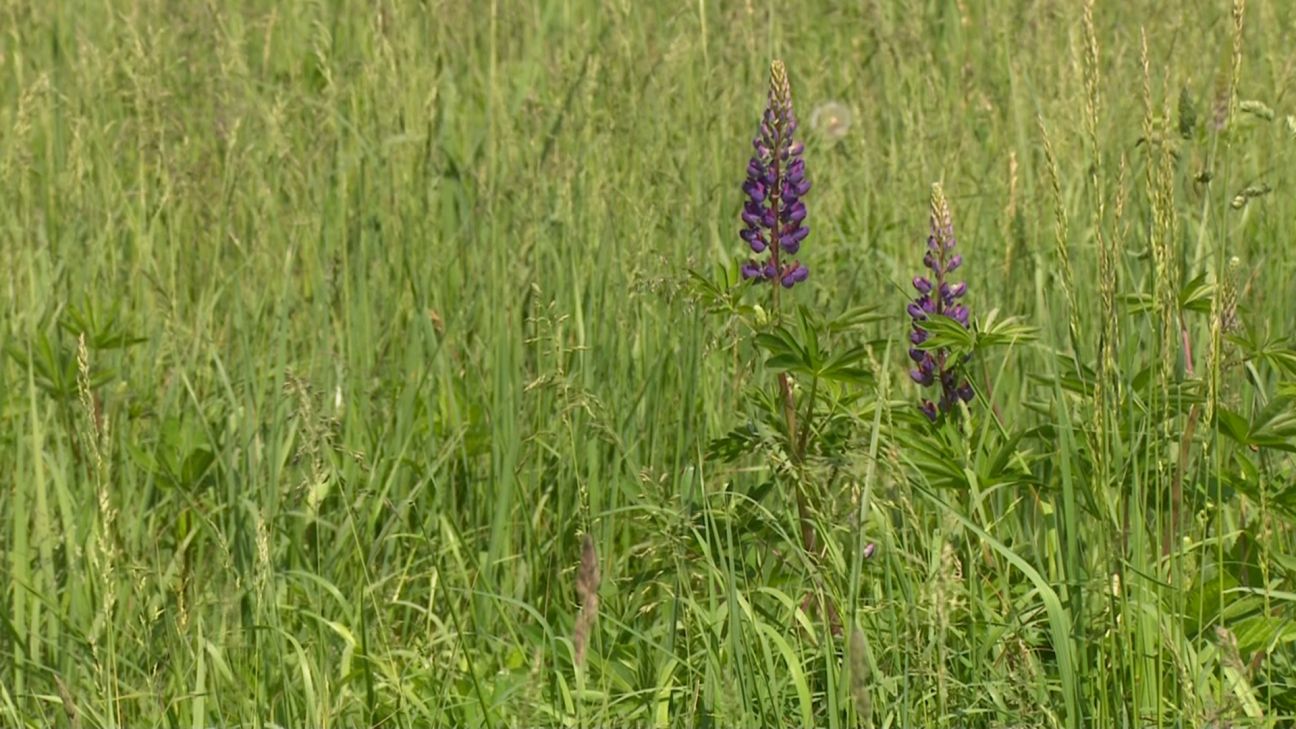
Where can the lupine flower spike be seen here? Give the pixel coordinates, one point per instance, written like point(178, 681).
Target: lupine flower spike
point(776, 181)
point(938, 297)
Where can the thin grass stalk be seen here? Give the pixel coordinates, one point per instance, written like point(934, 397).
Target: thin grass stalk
point(106, 558)
point(1061, 240)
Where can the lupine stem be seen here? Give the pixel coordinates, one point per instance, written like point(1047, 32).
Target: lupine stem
point(773, 219)
point(796, 447)
point(798, 457)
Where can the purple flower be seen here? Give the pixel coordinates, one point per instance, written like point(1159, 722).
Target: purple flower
point(938, 297)
point(775, 184)
point(794, 274)
point(791, 239)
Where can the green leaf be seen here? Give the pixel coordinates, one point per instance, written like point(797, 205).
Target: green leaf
point(1275, 426)
point(736, 443)
point(785, 362)
point(855, 319)
point(1233, 425)
point(945, 333)
point(995, 332)
point(1196, 295)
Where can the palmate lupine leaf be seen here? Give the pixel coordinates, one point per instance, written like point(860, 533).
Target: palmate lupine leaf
point(995, 332)
point(809, 359)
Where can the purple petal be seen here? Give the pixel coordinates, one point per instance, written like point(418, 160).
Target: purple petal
point(750, 270)
point(923, 285)
point(928, 408)
point(954, 263)
point(958, 289)
point(755, 190)
point(918, 336)
point(796, 213)
point(916, 311)
point(791, 239)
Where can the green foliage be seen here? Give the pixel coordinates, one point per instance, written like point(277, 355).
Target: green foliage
point(386, 306)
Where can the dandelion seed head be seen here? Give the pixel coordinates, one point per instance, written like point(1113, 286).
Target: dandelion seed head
point(832, 120)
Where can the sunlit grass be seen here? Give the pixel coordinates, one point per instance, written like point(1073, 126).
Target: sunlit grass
point(331, 330)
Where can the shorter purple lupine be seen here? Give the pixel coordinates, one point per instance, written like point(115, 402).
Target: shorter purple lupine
point(938, 297)
point(774, 214)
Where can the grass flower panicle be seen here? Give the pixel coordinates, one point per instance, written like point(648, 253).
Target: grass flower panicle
point(937, 296)
point(776, 181)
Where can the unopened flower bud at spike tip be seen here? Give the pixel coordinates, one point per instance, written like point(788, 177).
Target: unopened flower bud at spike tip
point(780, 90)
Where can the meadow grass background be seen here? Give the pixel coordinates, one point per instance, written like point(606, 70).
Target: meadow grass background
point(385, 306)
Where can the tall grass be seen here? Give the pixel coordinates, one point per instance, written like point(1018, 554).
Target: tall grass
point(331, 331)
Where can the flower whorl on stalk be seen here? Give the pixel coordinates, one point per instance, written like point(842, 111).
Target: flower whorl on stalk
point(938, 297)
point(776, 181)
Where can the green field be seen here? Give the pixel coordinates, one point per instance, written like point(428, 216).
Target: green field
point(387, 364)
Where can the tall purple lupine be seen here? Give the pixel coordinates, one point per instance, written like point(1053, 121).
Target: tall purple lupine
point(938, 297)
point(776, 181)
